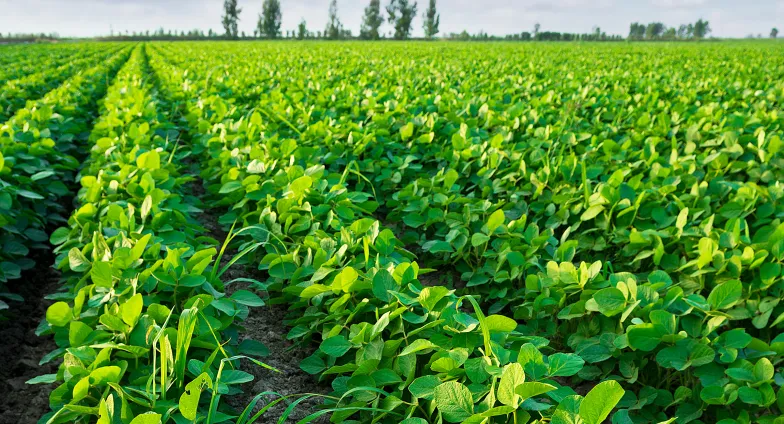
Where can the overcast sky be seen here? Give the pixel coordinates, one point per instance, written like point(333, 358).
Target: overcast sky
point(728, 18)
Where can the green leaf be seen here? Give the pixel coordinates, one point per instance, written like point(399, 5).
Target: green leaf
point(346, 278)
point(314, 290)
point(534, 388)
point(147, 418)
point(610, 301)
point(336, 346)
point(564, 364)
point(763, 370)
point(406, 131)
point(43, 379)
point(383, 283)
point(591, 212)
point(247, 298)
point(500, 324)
point(600, 401)
point(725, 295)
point(230, 187)
point(512, 377)
point(189, 400)
point(495, 220)
point(101, 274)
point(230, 377)
point(132, 309)
point(77, 261)
point(644, 337)
point(418, 345)
point(424, 387)
point(59, 314)
point(149, 160)
point(454, 401)
point(479, 239)
point(301, 184)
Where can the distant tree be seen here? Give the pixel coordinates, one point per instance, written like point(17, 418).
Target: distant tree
point(302, 29)
point(401, 16)
point(256, 33)
point(654, 30)
point(636, 31)
point(701, 29)
point(243, 34)
point(210, 33)
point(269, 19)
point(774, 33)
point(537, 27)
point(333, 23)
point(372, 21)
point(670, 34)
point(525, 36)
point(432, 20)
point(690, 31)
point(318, 34)
point(683, 31)
point(231, 15)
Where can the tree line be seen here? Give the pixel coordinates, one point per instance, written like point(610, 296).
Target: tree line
point(399, 13)
point(659, 31)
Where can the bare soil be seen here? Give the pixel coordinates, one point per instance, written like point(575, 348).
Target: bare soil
point(21, 349)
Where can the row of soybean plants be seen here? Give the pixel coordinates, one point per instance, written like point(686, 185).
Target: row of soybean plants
point(41, 147)
point(510, 181)
point(33, 61)
point(138, 323)
point(24, 53)
point(393, 348)
point(47, 77)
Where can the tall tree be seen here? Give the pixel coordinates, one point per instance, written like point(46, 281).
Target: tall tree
point(372, 21)
point(269, 19)
point(636, 31)
point(537, 27)
point(401, 16)
point(683, 31)
point(333, 24)
point(654, 30)
point(774, 33)
point(432, 20)
point(302, 29)
point(231, 15)
point(701, 29)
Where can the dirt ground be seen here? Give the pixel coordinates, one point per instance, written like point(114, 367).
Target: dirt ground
point(22, 403)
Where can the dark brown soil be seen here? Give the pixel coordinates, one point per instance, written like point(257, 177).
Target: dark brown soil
point(266, 325)
point(21, 349)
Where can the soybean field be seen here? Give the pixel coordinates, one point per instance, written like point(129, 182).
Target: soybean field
point(392, 232)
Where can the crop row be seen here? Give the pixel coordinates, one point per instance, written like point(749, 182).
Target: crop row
point(32, 63)
point(47, 77)
point(142, 324)
point(41, 147)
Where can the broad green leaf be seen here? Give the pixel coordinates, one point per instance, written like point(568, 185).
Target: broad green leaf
point(725, 295)
point(189, 400)
point(534, 388)
point(495, 220)
point(336, 346)
point(512, 377)
point(564, 364)
point(454, 401)
point(600, 401)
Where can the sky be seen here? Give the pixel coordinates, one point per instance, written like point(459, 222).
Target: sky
point(83, 18)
